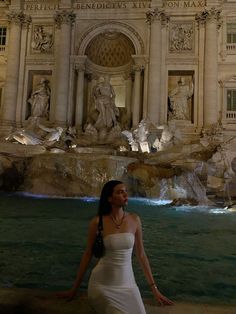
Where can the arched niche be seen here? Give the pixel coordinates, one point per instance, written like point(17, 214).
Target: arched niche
point(110, 48)
point(112, 26)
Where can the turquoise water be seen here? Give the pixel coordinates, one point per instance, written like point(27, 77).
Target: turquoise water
point(192, 251)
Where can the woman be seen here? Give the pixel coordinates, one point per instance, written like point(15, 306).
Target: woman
point(112, 288)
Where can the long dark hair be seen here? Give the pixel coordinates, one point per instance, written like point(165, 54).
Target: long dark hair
point(104, 207)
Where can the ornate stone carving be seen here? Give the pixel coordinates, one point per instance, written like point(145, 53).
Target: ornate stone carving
point(110, 49)
point(208, 14)
point(137, 67)
point(181, 37)
point(42, 40)
point(80, 67)
point(116, 26)
point(64, 17)
point(19, 18)
point(154, 14)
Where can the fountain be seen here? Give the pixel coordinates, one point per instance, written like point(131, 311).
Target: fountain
point(55, 161)
point(155, 161)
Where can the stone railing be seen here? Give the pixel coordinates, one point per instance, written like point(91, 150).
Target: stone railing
point(2, 48)
point(231, 48)
point(231, 115)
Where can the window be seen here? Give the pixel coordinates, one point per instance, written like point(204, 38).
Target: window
point(231, 100)
point(231, 33)
point(3, 35)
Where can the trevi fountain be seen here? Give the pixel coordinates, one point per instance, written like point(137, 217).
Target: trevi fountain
point(142, 91)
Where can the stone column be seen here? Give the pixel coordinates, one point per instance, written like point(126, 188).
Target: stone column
point(200, 96)
point(145, 88)
point(164, 73)
point(128, 93)
point(64, 21)
point(136, 95)
point(154, 18)
point(80, 68)
point(211, 19)
point(8, 112)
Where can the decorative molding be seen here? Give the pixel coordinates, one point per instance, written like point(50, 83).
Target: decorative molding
point(116, 26)
point(110, 49)
point(137, 68)
point(64, 17)
point(78, 62)
point(19, 18)
point(157, 14)
point(40, 61)
point(212, 14)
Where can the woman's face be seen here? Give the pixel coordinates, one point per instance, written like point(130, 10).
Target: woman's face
point(119, 196)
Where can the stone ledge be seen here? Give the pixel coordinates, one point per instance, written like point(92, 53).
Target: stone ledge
point(29, 301)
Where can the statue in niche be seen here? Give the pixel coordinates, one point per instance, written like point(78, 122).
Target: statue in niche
point(39, 100)
point(104, 97)
point(179, 107)
point(42, 40)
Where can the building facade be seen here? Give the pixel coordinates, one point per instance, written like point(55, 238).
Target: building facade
point(166, 60)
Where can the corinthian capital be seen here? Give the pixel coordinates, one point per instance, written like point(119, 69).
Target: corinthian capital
point(156, 14)
point(80, 67)
point(64, 17)
point(19, 18)
point(208, 14)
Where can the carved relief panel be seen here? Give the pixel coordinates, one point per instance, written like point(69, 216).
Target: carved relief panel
point(42, 39)
point(181, 37)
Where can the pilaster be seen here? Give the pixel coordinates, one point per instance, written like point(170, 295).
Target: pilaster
point(80, 68)
point(138, 67)
point(64, 21)
point(211, 18)
point(155, 19)
point(8, 112)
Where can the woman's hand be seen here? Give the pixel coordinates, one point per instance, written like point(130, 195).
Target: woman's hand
point(69, 294)
point(161, 299)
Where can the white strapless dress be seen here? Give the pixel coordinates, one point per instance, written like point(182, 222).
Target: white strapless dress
point(112, 288)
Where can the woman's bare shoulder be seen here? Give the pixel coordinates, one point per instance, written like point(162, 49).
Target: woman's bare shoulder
point(133, 216)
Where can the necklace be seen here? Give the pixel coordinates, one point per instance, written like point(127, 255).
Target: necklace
point(117, 223)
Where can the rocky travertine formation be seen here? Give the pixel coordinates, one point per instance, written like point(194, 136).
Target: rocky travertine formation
point(185, 172)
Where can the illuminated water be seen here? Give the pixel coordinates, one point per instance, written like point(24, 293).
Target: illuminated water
point(192, 250)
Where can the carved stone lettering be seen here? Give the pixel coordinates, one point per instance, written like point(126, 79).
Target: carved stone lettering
point(112, 5)
point(185, 4)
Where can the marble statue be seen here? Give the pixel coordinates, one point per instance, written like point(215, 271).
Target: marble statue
point(179, 96)
point(104, 97)
point(54, 134)
point(138, 138)
point(24, 137)
point(29, 137)
point(170, 136)
point(39, 100)
point(132, 142)
point(141, 132)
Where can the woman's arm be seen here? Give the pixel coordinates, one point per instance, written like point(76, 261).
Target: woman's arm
point(84, 262)
point(144, 262)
